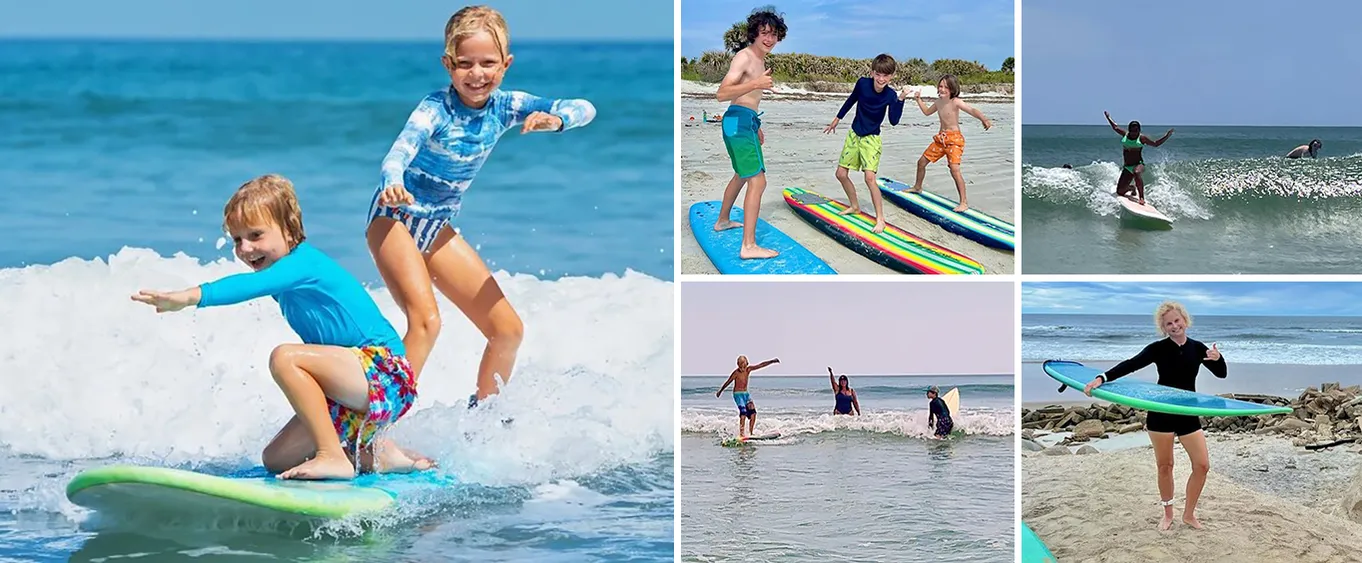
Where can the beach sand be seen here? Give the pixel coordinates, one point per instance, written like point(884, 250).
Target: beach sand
point(1264, 501)
point(798, 153)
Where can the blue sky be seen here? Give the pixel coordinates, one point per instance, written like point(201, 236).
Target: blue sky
point(1223, 62)
point(1200, 298)
point(981, 30)
point(855, 327)
point(422, 20)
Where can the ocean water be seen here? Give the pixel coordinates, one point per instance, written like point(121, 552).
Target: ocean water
point(1238, 205)
point(837, 488)
point(1277, 355)
point(117, 159)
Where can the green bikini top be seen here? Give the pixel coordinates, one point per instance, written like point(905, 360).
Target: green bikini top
point(1128, 143)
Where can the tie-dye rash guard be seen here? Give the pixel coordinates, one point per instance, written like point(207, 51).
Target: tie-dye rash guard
point(445, 143)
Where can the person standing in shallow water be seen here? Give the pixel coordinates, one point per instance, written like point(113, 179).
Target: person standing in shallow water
point(844, 395)
point(1179, 359)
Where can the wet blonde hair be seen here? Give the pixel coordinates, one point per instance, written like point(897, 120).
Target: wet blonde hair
point(473, 19)
point(1175, 307)
point(268, 198)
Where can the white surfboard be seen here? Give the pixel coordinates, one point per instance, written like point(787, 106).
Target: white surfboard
point(1145, 213)
point(952, 399)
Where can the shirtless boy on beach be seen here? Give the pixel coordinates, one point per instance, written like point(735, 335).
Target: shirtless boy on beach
point(746, 408)
point(949, 141)
point(747, 78)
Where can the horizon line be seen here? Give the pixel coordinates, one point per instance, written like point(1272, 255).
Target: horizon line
point(288, 39)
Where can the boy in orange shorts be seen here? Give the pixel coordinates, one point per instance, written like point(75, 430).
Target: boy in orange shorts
point(948, 142)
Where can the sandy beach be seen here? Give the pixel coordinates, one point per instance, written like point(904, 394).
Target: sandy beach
point(799, 154)
point(1264, 501)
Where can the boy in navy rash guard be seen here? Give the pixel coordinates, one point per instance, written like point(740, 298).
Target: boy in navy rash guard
point(861, 150)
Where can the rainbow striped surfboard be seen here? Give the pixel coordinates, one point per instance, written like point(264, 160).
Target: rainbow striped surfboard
point(895, 248)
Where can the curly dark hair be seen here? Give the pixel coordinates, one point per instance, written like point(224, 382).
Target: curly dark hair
point(765, 16)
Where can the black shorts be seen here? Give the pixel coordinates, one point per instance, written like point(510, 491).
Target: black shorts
point(1179, 424)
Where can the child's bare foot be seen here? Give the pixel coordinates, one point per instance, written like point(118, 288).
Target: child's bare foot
point(1192, 521)
point(879, 226)
point(963, 207)
point(392, 459)
point(1167, 523)
point(850, 210)
point(324, 466)
point(756, 253)
point(724, 225)
point(915, 190)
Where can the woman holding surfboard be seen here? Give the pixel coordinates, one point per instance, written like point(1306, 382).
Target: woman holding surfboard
point(844, 395)
point(1178, 359)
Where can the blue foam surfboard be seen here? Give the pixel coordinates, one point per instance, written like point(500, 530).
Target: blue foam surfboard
point(1033, 550)
point(722, 246)
point(1152, 396)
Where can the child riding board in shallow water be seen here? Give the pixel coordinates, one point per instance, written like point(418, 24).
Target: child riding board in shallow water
point(433, 161)
point(1132, 154)
point(349, 378)
point(949, 141)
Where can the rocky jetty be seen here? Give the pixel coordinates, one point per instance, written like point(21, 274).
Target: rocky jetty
point(1320, 417)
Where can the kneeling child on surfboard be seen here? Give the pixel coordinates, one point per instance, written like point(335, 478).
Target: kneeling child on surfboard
point(949, 141)
point(746, 408)
point(351, 362)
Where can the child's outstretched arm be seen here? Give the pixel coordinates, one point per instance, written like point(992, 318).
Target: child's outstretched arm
point(895, 110)
point(764, 364)
point(420, 125)
point(731, 377)
point(548, 114)
point(917, 96)
point(232, 289)
point(977, 115)
point(846, 106)
point(1114, 126)
point(1145, 139)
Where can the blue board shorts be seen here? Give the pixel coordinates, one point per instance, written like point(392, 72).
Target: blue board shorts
point(391, 395)
point(742, 398)
point(740, 125)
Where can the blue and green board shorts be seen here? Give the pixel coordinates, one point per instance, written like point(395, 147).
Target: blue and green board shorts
point(742, 398)
point(740, 125)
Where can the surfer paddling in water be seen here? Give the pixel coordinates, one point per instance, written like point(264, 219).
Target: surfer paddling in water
point(1311, 148)
point(844, 395)
point(747, 78)
point(1132, 154)
point(349, 378)
point(1178, 359)
point(746, 408)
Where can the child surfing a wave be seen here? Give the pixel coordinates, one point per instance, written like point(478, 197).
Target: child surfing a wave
point(349, 378)
point(444, 143)
point(746, 408)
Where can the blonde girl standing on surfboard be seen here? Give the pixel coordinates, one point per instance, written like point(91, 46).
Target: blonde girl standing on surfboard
point(1132, 153)
point(1178, 359)
point(432, 163)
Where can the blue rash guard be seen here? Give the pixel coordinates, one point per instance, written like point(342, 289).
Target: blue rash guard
point(322, 302)
point(871, 106)
point(445, 143)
